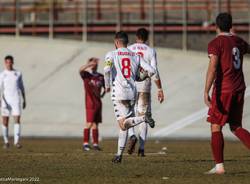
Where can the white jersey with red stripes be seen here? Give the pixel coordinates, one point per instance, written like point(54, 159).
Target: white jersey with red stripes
point(123, 65)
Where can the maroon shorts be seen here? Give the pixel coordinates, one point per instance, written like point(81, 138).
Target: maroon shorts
point(94, 115)
point(226, 108)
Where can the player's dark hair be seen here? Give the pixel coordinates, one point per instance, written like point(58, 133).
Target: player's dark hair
point(122, 37)
point(9, 57)
point(92, 59)
point(224, 22)
point(142, 34)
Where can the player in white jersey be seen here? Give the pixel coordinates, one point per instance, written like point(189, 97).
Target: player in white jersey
point(121, 67)
point(143, 101)
point(12, 89)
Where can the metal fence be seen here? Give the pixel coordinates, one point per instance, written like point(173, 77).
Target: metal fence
point(83, 17)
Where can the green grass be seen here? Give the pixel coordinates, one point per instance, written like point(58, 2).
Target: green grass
point(63, 161)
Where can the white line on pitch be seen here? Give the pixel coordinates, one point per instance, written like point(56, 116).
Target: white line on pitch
point(152, 154)
point(188, 120)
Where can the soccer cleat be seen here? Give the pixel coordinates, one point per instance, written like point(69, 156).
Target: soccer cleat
point(131, 144)
point(149, 120)
point(6, 146)
point(97, 148)
point(141, 153)
point(18, 145)
point(86, 147)
point(117, 159)
point(215, 171)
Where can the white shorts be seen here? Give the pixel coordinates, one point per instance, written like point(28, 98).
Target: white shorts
point(123, 108)
point(10, 108)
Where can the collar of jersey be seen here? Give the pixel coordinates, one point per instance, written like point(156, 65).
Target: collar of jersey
point(225, 34)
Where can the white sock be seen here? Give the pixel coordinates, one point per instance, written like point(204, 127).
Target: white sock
point(5, 134)
point(143, 128)
point(219, 166)
point(122, 141)
point(133, 121)
point(131, 132)
point(17, 132)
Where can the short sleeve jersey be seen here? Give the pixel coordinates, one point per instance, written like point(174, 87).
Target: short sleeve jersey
point(93, 83)
point(230, 50)
point(11, 84)
point(149, 55)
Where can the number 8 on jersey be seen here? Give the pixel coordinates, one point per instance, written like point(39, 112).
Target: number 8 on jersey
point(126, 68)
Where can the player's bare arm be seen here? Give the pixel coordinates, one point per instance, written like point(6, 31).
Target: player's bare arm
point(107, 72)
point(24, 98)
point(22, 89)
point(103, 92)
point(160, 93)
point(86, 66)
point(210, 77)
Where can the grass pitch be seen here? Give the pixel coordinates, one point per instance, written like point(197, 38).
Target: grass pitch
point(62, 161)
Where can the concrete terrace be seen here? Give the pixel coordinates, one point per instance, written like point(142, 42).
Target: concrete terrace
point(55, 92)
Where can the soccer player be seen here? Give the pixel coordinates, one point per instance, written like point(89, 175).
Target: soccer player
point(12, 89)
point(225, 73)
point(94, 91)
point(121, 67)
point(143, 101)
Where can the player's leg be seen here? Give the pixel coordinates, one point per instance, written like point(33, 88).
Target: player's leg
point(132, 140)
point(131, 132)
point(5, 111)
point(123, 110)
point(128, 120)
point(235, 120)
point(143, 128)
point(242, 134)
point(95, 137)
point(95, 127)
point(5, 131)
point(143, 107)
point(136, 120)
point(218, 116)
point(122, 139)
point(16, 113)
point(133, 121)
point(86, 135)
point(217, 145)
point(90, 119)
point(17, 131)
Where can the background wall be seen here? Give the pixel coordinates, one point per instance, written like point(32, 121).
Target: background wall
point(55, 93)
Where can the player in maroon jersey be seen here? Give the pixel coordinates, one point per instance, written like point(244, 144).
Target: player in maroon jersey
point(94, 91)
point(225, 74)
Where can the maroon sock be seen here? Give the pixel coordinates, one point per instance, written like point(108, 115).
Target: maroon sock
point(244, 136)
point(217, 144)
point(86, 136)
point(95, 136)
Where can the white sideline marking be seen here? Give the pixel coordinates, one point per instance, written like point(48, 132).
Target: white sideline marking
point(147, 154)
point(188, 120)
point(181, 123)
